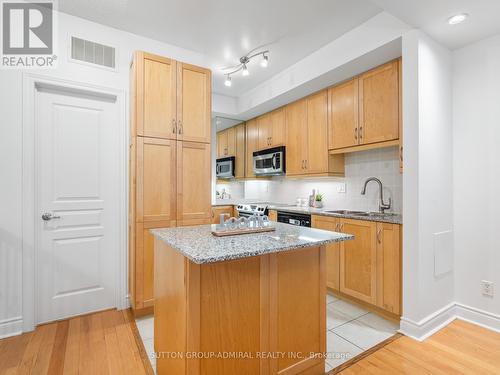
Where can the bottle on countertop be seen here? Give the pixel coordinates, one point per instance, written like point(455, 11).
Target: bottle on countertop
point(311, 198)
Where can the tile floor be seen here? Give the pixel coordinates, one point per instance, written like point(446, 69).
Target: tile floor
point(350, 331)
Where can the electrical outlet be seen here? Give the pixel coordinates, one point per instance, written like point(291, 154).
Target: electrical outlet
point(487, 288)
point(341, 188)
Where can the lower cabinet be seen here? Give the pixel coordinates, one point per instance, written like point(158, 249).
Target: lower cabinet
point(367, 268)
point(219, 210)
point(273, 215)
point(332, 250)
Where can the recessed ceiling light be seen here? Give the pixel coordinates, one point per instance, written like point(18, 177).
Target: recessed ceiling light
point(227, 82)
point(458, 18)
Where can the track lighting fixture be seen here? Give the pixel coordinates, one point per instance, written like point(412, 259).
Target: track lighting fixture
point(242, 66)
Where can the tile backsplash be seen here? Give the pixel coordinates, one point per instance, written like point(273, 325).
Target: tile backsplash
point(380, 163)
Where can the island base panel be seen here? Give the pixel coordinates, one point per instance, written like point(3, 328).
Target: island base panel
point(259, 307)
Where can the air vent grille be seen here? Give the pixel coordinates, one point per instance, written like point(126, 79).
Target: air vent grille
point(92, 52)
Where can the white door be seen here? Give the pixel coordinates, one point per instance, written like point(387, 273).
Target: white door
point(77, 191)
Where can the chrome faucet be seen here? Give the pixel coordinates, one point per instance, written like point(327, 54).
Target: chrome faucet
point(381, 206)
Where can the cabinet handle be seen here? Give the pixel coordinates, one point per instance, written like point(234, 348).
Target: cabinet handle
point(303, 164)
point(173, 126)
point(401, 153)
point(337, 227)
point(180, 127)
point(379, 238)
point(360, 132)
point(356, 134)
point(306, 164)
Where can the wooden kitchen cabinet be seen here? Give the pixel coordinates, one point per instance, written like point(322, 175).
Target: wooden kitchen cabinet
point(252, 144)
point(389, 267)
point(219, 210)
point(273, 215)
point(222, 144)
point(170, 99)
point(307, 140)
point(365, 112)
point(332, 250)
point(193, 183)
point(170, 122)
point(240, 153)
point(358, 260)
point(271, 129)
point(156, 192)
point(194, 103)
point(343, 115)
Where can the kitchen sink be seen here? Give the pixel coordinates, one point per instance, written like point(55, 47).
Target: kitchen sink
point(361, 213)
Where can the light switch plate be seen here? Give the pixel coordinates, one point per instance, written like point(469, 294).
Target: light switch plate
point(487, 288)
point(341, 187)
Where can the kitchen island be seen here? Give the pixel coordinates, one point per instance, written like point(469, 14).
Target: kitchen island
point(249, 304)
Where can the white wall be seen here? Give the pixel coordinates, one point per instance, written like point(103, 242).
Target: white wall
point(11, 139)
point(476, 169)
point(382, 163)
point(428, 284)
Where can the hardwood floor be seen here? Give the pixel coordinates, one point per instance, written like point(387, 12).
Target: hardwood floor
point(108, 343)
point(460, 348)
point(102, 343)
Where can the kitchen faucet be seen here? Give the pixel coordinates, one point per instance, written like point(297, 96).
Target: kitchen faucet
point(381, 206)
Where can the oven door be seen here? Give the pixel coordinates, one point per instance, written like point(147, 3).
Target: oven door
point(225, 167)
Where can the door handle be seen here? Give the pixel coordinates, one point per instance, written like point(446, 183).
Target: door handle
point(49, 216)
point(173, 126)
point(379, 239)
point(180, 127)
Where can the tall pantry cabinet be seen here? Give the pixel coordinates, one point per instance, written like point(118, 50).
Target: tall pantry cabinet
point(170, 178)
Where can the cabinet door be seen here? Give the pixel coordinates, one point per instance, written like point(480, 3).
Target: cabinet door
point(317, 133)
point(219, 210)
point(221, 144)
point(389, 267)
point(264, 125)
point(155, 96)
point(252, 131)
point(343, 114)
point(358, 260)
point(194, 101)
point(277, 127)
point(273, 215)
point(156, 176)
point(332, 250)
point(296, 137)
point(231, 141)
point(239, 168)
point(193, 183)
point(379, 104)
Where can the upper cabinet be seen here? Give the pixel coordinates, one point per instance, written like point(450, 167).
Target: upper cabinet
point(252, 144)
point(365, 112)
point(194, 107)
point(271, 129)
point(379, 104)
point(173, 99)
point(343, 126)
point(306, 138)
point(231, 142)
point(226, 143)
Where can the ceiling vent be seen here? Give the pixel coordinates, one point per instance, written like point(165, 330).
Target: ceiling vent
point(92, 52)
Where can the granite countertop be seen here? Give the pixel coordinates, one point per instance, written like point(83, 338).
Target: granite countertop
point(390, 218)
point(201, 246)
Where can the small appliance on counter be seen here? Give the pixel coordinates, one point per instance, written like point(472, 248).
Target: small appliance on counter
point(302, 220)
point(269, 162)
point(224, 167)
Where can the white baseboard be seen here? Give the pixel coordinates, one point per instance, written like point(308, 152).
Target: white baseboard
point(441, 318)
point(479, 317)
point(11, 327)
point(429, 325)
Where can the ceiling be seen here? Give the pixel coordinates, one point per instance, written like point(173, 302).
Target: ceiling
point(224, 30)
point(431, 16)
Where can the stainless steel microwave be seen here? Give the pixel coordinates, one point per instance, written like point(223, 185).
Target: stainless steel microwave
point(269, 162)
point(224, 167)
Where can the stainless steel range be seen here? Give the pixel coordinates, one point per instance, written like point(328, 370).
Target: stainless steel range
point(247, 210)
